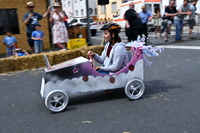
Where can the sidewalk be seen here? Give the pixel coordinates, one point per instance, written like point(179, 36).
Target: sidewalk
point(154, 42)
point(171, 38)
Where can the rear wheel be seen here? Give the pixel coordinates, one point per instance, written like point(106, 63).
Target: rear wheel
point(134, 89)
point(56, 101)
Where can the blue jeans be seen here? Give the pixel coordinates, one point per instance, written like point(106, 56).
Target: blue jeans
point(9, 52)
point(102, 72)
point(38, 46)
point(179, 27)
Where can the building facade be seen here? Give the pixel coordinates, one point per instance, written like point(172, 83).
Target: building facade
point(107, 11)
point(77, 8)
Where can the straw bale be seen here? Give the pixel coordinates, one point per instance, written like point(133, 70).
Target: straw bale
point(7, 65)
point(37, 60)
point(96, 48)
point(22, 63)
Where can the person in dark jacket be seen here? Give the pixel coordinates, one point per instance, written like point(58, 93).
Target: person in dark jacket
point(133, 23)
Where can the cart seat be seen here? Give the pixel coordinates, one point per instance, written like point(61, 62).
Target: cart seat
point(130, 55)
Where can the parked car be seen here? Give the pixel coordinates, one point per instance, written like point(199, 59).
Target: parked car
point(83, 22)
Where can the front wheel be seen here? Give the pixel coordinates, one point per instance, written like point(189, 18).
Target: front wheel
point(134, 89)
point(56, 101)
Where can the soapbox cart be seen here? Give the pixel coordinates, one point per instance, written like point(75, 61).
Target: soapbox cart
point(78, 76)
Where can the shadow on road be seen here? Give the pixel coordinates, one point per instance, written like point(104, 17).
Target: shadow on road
point(151, 87)
point(157, 86)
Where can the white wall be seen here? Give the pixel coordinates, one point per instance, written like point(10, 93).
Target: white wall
point(77, 8)
point(67, 6)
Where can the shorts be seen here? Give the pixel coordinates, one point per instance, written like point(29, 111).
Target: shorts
point(191, 23)
point(165, 24)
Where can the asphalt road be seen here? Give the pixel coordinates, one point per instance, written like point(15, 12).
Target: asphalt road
point(170, 103)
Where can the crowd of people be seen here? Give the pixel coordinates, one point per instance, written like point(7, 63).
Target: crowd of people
point(136, 23)
point(34, 35)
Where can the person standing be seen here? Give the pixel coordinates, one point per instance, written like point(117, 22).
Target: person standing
point(145, 16)
point(133, 23)
point(30, 19)
point(60, 34)
point(183, 11)
point(38, 37)
point(170, 13)
point(10, 42)
point(157, 22)
point(191, 21)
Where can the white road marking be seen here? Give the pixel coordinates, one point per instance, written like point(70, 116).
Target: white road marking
point(182, 47)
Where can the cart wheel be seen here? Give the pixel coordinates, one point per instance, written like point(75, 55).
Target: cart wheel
point(56, 100)
point(134, 89)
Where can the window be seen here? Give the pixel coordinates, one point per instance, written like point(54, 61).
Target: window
point(68, 3)
point(76, 12)
point(75, 1)
point(102, 8)
point(82, 12)
point(9, 21)
point(114, 6)
point(117, 13)
point(84, 20)
point(148, 7)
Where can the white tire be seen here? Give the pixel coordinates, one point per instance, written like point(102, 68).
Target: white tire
point(134, 89)
point(56, 101)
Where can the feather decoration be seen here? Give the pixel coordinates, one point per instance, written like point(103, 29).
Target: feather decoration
point(149, 50)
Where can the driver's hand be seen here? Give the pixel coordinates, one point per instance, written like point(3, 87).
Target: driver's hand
point(97, 68)
point(90, 53)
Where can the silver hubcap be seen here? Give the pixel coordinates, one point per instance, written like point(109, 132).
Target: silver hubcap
point(57, 101)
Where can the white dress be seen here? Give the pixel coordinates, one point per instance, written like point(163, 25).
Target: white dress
point(157, 20)
point(60, 34)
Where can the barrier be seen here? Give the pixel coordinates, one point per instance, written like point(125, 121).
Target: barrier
point(33, 61)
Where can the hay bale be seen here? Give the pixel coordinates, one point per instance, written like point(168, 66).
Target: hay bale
point(96, 48)
point(7, 64)
point(37, 60)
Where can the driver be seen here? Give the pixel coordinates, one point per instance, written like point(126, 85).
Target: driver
point(114, 56)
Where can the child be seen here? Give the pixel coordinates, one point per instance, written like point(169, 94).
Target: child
point(10, 42)
point(114, 56)
point(38, 37)
point(20, 52)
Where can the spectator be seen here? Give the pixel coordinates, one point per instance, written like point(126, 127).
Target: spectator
point(38, 37)
point(10, 42)
point(60, 34)
point(157, 21)
point(30, 19)
point(191, 21)
point(183, 11)
point(170, 13)
point(164, 24)
point(20, 52)
point(145, 16)
point(133, 23)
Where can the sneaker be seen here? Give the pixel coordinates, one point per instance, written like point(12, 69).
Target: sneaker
point(166, 41)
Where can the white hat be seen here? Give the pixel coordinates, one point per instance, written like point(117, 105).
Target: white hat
point(30, 4)
point(56, 4)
